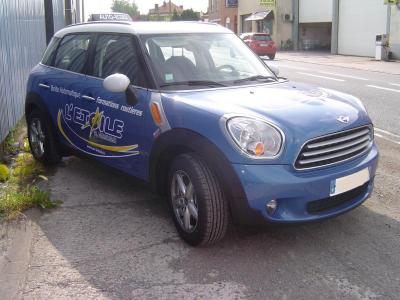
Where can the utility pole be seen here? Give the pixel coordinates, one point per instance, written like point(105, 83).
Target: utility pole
point(49, 19)
point(335, 27)
point(295, 33)
point(68, 12)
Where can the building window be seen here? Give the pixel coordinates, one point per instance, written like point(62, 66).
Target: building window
point(231, 3)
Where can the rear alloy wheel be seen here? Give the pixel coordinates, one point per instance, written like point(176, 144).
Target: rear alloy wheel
point(199, 209)
point(41, 140)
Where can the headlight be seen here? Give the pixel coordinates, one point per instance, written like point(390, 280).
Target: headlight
point(256, 138)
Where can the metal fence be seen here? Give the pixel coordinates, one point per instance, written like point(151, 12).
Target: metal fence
point(22, 42)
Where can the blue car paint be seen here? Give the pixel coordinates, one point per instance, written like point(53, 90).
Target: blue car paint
point(293, 107)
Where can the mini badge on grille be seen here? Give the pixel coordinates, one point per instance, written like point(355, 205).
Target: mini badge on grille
point(343, 119)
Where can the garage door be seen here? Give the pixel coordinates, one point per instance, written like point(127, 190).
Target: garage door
point(359, 22)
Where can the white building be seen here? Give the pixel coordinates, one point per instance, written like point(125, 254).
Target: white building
point(347, 27)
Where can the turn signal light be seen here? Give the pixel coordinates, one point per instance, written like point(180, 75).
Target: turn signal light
point(155, 113)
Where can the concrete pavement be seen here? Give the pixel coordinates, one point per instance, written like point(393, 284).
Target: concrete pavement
point(344, 61)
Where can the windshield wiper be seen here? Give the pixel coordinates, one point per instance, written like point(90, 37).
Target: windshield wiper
point(255, 77)
point(193, 83)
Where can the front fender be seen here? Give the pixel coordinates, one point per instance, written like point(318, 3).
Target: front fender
point(177, 141)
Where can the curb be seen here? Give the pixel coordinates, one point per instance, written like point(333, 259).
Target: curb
point(14, 262)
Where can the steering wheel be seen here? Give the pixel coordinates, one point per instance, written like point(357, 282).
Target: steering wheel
point(232, 68)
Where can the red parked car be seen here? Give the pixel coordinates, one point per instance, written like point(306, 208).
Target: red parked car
point(261, 43)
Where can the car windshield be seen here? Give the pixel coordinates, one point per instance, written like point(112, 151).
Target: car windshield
point(261, 37)
point(196, 60)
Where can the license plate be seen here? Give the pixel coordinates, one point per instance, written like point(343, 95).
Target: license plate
point(264, 45)
point(347, 183)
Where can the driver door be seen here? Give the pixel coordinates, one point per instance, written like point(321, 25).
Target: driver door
point(116, 125)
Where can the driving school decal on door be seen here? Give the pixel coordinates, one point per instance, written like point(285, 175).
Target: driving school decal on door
point(93, 133)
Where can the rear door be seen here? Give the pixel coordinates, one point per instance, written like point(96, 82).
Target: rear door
point(69, 86)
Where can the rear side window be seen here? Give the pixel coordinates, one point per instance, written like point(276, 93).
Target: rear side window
point(118, 54)
point(72, 53)
point(262, 37)
point(50, 51)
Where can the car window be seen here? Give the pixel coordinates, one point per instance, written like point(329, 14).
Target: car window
point(221, 58)
point(72, 52)
point(262, 37)
point(49, 53)
point(117, 54)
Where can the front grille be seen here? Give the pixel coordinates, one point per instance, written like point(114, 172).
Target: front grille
point(317, 206)
point(334, 148)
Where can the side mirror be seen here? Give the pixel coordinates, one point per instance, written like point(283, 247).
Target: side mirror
point(274, 69)
point(116, 83)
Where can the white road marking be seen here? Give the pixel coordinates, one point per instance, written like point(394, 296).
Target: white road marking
point(292, 67)
point(395, 84)
point(343, 75)
point(382, 88)
point(323, 77)
point(387, 139)
point(387, 132)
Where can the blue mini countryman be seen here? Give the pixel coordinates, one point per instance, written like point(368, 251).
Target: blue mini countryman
point(190, 109)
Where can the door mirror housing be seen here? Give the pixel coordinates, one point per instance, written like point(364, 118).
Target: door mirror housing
point(116, 83)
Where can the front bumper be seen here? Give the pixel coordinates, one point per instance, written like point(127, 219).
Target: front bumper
point(294, 190)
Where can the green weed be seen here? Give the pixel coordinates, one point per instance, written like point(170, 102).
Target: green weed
point(14, 200)
point(4, 173)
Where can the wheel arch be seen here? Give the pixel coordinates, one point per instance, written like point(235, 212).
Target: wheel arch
point(34, 101)
point(179, 141)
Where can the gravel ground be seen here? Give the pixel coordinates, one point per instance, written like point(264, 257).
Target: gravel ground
point(113, 239)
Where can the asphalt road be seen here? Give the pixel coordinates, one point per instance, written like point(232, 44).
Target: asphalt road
point(380, 92)
point(113, 239)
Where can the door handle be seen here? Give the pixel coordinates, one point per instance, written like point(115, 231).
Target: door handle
point(45, 86)
point(88, 98)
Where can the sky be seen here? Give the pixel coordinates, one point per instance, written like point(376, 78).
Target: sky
point(102, 6)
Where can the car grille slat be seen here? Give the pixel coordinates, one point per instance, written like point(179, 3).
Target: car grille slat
point(334, 148)
point(338, 140)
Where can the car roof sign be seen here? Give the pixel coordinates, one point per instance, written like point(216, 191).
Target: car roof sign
point(110, 17)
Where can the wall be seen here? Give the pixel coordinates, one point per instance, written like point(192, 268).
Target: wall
point(219, 13)
point(282, 30)
point(22, 40)
point(395, 31)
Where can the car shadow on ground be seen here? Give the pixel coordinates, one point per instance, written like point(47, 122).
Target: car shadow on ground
point(113, 238)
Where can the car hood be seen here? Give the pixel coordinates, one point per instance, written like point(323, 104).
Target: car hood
point(301, 111)
point(298, 109)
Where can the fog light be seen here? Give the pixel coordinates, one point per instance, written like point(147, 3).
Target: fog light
point(271, 206)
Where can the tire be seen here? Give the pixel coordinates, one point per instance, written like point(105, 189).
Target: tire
point(212, 209)
point(49, 153)
point(271, 57)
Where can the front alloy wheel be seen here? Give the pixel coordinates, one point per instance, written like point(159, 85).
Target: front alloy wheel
point(197, 201)
point(184, 201)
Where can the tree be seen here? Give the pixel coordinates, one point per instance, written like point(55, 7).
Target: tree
point(189, 15)
point(126, 7)
point(175, 16)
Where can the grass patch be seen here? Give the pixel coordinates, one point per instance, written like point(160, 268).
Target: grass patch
point(14, 200)
point(19, 192)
